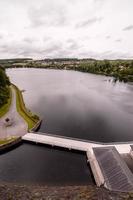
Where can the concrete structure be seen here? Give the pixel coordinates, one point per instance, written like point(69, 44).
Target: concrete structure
point(96, 170)
point(74, 143)
point(131, 151)
point(116, 174)
point(106, 163)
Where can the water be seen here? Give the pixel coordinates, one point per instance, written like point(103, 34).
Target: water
point(72, 104)
point(78, 104)
point(36, 164)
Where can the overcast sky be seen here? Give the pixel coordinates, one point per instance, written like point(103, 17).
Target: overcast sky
point(66, 28)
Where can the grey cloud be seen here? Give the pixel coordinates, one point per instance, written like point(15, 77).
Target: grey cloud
point(118, 40)
point(99, 1)
point(57, 49)
point(88, 22)
point(52, 48)
point(47, 38)
point(72, 44)
point(28, 40)
point(128, 28)
point(105, 55)
point(3, 34)
point(25, 49)
point(108, 37)
point(48, 15)
point(115, 55)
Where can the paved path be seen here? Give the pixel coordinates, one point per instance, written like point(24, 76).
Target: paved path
point(72, 143)
point(19, 126)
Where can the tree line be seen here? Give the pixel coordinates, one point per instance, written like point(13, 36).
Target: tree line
point(4, 87)
point(119, 69)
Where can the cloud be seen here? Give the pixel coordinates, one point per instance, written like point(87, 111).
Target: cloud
point(29, 40)
point(108, 37)
point(3, 34)
point(54, 49)
point(49, 14)
point(115, 55)
point(88, 22)
point(65, 28)
point(72, 44)
point(128, 28)
point(27, 49)
point(118, 40)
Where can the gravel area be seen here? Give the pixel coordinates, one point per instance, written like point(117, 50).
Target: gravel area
point(26, 192)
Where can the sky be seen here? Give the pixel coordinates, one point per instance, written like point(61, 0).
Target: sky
point(101, 29)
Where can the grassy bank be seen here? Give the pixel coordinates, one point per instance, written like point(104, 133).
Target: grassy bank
point(29, 117)
point(4, 109)
point(7, 141)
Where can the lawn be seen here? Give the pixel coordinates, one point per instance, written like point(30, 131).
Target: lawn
point(6, 141)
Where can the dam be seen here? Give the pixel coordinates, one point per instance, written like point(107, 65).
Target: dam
point(108, 167)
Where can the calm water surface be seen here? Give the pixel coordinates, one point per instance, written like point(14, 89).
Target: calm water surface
point(78, 104)
point(72, 104)
point(36, 164)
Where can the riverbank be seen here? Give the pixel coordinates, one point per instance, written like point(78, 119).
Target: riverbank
point(121, 70)
point(9, 143)
point(26, 192)
point(31, 119)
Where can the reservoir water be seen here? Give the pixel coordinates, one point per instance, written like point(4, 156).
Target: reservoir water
point(78, 104)
point(73, 104)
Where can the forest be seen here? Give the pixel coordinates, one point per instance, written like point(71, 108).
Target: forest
point(4, 87)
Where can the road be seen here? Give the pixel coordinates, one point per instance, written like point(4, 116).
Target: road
point(19, 127)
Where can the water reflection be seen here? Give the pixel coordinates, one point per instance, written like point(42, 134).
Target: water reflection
point(78, 104)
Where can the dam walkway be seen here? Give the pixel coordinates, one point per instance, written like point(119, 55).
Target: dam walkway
point(74, 143)
point(106, 162)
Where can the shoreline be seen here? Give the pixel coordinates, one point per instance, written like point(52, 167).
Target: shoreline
point(14, 142)
point(31, 119)
point(117, 75)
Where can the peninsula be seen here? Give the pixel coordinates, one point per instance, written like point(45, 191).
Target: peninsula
point(15, 118)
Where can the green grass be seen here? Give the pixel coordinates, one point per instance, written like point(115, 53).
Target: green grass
point(4, 109)
point(21, 108)
point(6, 141)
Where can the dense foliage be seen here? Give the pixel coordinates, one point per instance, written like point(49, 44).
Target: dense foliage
point(4, 87)
point(120, 69)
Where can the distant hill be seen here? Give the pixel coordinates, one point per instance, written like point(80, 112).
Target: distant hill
point(14, 60)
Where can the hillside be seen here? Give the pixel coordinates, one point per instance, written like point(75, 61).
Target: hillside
point(4, 87)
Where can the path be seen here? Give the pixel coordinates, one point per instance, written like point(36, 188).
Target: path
point(73, 143)
point(19, 126)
